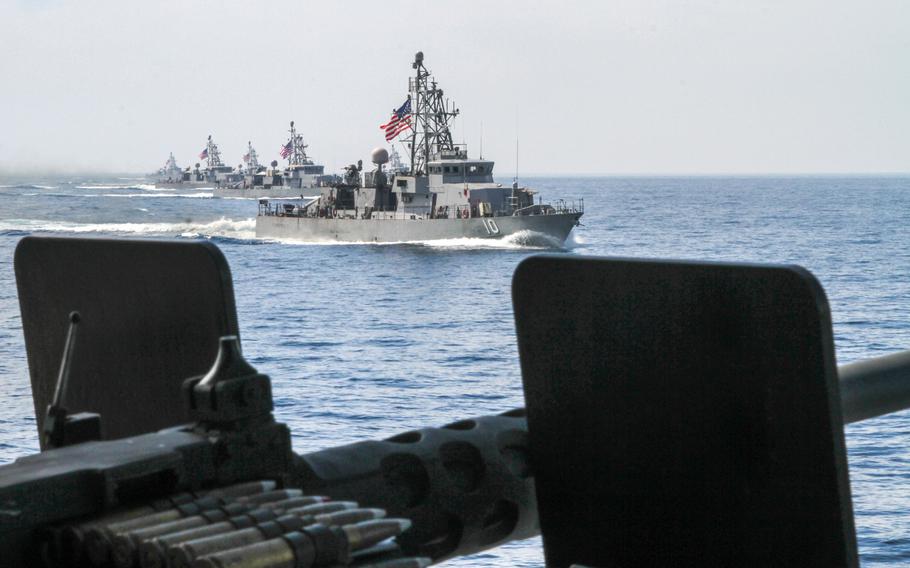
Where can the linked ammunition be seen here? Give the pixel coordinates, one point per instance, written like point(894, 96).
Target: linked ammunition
point(183, 555)
point(72, 537)
point(320, 508)
point(126, 544)
point(294, 502)
point(347, 517)
point(153, 552)
point(98, 538)
point(367, 533)
point(317, 545)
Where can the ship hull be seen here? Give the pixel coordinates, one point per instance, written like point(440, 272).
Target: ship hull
point(264, 192)
point(552, 230)
point(184, 185)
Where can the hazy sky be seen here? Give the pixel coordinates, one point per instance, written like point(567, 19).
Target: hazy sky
point(587, 87)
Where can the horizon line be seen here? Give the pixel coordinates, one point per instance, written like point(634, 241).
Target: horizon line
point(511, 175)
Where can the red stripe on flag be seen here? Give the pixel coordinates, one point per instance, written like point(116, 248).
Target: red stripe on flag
point(393, 132)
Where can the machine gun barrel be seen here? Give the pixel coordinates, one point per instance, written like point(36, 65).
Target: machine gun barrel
point(874, 387)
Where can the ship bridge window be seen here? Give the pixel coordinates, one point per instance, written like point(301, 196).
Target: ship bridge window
point(446, 169)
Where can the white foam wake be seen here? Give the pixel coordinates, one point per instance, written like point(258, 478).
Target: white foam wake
point(575, 241)
point(104, 186)
point(223, 227)
point(196, 195)
point(519, 240)
point(516, 241)
point(142, 186)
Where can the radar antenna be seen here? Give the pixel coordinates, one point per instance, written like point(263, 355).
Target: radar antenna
point(213, 158)
point(297, 155)
point(432, 113)
point(251, 158)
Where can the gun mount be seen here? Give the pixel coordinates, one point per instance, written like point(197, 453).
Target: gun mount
point(222, 487)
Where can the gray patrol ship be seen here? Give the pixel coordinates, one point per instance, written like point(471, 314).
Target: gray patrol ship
point(444, 194)
point(169, 173)
point(297, 180)
point(215, 173)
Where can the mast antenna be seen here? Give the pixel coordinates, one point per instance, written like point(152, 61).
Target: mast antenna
point(515, 179)
point(432, 115)
point(481, 139)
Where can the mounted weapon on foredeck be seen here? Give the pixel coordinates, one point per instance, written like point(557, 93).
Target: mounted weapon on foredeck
point(697, 419)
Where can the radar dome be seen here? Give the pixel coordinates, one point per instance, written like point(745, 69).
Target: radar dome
point(380, 156)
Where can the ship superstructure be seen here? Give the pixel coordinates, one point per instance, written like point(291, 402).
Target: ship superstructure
point(172, 176)
point(299, 178)
point(169, 173)
point(444, 194)
point(396, 166)
point(301, 170)
point(216, 171)
point(251, 159)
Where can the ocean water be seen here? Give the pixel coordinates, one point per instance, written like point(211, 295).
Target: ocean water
point(366, 341)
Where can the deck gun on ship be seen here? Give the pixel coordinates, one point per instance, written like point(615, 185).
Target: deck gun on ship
point(697, 420)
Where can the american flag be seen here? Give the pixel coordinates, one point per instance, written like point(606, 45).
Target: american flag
point(204, 154)
point(246, 157)
point(400, 121)
point(287, 149)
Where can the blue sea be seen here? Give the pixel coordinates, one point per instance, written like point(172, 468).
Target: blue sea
point(366, 341)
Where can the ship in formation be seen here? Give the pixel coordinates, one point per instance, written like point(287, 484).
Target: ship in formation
point(249, 179)
point(299, 178)
point(444, 194)
point(213, 174)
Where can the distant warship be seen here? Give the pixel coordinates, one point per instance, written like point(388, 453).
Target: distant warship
point(444, 194)
point(169, 173)
point(296, 180)
point(215, 173)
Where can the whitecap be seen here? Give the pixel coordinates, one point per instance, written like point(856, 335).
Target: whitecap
point(223, 227)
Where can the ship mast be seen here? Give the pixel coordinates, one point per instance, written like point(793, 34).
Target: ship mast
point(214, 155)
point(395, 164)
point(432, 114)
point(298, 156)
point(171, 163)
point(252, 162)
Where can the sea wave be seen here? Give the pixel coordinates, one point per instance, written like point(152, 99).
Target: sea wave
point(28, 186)
point(105, 186)
point(195, 195)
point(223, 227)
point(142, 186)
point(153, 188)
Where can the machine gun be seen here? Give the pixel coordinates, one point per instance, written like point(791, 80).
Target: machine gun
point(697, 419)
